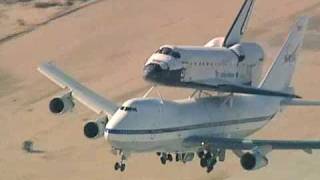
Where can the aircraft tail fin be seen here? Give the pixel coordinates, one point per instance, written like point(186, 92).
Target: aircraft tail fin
point(239, 25)
point(280, 73)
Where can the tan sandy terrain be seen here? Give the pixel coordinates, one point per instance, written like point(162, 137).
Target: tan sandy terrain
point(105, 46)
point(18, 17)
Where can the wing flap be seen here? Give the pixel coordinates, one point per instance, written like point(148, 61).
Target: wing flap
point(299, 102)
point(249, 144)
point(84, 95)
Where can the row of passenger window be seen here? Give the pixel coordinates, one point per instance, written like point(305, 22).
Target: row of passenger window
point(207, 64)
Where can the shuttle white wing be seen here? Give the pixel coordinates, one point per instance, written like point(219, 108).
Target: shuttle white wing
point(235, 88)
point(81, 93)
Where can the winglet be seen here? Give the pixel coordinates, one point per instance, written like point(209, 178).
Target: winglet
point(239, 25)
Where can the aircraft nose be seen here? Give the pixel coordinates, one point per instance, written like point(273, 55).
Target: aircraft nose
point(106, 134)
point(109, 127)
point(151, 71)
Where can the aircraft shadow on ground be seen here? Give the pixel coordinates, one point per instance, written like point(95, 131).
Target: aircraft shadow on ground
point(27, 146)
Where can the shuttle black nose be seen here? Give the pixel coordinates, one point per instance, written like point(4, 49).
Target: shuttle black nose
point(151, 72)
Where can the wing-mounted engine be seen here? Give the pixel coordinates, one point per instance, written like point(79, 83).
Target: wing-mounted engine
point(215, 42)
point(253, 161)
point(95, 128)
point(250, 61)
point(256, 159)
point(62, 103)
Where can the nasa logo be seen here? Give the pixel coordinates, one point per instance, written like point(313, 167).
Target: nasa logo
point(290, 58)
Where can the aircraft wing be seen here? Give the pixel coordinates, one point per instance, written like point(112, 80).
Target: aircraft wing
point(299, 102)
point(86, 96)
point(249, 144)
point(234, 88)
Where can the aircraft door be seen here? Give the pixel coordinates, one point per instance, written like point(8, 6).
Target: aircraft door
point(156, 118)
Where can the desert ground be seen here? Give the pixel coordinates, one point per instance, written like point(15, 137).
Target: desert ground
point(105, 46)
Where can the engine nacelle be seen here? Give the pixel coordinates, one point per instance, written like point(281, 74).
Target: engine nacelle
point(61, 103)
point(253, 161)
point(95, 129)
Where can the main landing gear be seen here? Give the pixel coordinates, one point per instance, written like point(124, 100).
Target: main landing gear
point(179, 157)
point(164, 157)
point(209, 159)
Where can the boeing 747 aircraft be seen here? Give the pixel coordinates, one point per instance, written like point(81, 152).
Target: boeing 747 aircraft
point(205, 126)
point(224, 64)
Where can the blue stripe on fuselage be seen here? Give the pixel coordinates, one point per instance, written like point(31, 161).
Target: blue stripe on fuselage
point(190, 127)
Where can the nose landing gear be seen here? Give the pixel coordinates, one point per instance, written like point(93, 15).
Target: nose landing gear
point(121, 164)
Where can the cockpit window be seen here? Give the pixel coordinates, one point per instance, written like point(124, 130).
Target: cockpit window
point(175, 54)
point(124, 108)
point(169, 51)
point(165, 50)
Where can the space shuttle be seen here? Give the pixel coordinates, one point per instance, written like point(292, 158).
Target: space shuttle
point(223, 64)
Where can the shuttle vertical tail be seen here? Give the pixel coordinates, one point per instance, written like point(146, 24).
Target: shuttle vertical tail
point(280, 73)
point(239, 25)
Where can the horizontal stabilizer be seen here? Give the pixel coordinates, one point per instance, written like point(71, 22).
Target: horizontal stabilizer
point(299, 102)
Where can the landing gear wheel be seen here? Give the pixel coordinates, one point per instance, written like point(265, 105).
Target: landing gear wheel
point(214, 162)
point(169, 157)
point(177, 158)
point(209, 169)
point(211, 163)
point(208, 156)
point(122, 167)
point(203, 162)
point(201, 154)
point(163, 160)
point(116, 166)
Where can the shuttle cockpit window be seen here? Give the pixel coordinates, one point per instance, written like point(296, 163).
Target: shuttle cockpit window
point(169, 51)
point(125, 108)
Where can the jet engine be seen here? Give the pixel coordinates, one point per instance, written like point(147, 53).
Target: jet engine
point(95, 128)
point(61, 103)
point(253, 161)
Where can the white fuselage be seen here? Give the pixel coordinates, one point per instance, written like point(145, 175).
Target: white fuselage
point(156, 125)
point(240, 64)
